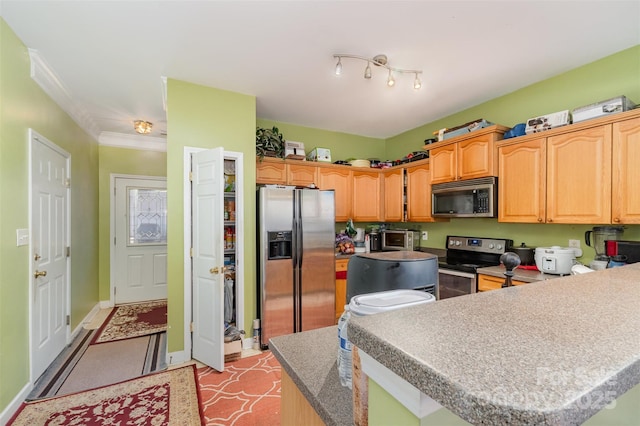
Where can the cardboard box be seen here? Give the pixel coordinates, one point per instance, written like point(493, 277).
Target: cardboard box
point(320, 154)
point(294, 150)
point(232, 350)
point(610, 106)
point(465, 128)
point(548, 121)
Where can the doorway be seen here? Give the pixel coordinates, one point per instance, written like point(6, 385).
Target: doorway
point(139, 239)
point(50, 266)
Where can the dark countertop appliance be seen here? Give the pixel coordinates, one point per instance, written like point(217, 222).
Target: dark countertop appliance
point(457, 271)
point(394, 270)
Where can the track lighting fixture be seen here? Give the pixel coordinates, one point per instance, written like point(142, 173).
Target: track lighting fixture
point(380, 61)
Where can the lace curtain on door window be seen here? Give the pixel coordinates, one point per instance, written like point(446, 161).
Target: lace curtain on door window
point(147, 216)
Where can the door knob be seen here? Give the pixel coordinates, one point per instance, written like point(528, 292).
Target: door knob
point(215, 270)
point(39, 274)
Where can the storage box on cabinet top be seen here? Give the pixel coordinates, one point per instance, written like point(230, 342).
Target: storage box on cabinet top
point(320, 154)
point(465, 128)
point(548, 121)
point(294, 150)
point(610, 106)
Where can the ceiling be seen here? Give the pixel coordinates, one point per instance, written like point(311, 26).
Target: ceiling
point(110, 56)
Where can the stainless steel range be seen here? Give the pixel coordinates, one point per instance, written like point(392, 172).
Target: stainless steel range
point(457, 272)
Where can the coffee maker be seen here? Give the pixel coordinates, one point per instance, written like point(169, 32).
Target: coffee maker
point(375, 241)
point(600, 235)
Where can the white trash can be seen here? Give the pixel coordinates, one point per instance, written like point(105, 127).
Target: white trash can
point(369, 304)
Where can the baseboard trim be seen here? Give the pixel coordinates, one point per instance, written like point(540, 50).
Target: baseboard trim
point(14, 405)
point(247, 343)
point(178, 357)
point(106, 304)
point(86, 320)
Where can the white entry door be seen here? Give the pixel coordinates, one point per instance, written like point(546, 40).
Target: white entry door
point(208, 257)
point(49, 250)
point(139, 267)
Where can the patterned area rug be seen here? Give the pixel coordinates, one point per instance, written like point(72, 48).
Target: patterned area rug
point(246, 393)
point(133, 320)
point(170, 397)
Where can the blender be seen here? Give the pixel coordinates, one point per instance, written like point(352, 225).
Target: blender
point(600, 235)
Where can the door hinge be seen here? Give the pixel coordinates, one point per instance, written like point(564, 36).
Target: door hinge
point(67, 183)
point(68, 251)
point(191, 327)
point(191, 252)
point(191, 176)
point(114, 241)
point(68, 320)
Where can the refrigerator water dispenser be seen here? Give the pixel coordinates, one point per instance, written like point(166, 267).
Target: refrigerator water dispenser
point(279, 245)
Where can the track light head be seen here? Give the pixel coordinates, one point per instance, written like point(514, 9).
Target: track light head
point(417, 84)
point(367, 71)
point(339, 67)
point(390, 80)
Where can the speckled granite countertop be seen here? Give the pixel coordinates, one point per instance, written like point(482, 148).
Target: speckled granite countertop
point(309, 358)
point(518, 274)
point(551, 353)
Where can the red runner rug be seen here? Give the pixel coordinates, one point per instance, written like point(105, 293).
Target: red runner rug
point(166, 398)
point(246, 393)
point(133, 320)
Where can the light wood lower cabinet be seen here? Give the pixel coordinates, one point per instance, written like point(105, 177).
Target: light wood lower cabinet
point(489, 282)
point(341, 287)
point(295, 409)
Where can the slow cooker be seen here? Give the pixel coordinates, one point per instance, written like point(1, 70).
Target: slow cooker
point(556, 260)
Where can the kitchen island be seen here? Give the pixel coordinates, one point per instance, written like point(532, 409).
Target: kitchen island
point(554, 352)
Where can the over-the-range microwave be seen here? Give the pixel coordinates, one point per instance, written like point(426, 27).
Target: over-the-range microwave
point(466, 198)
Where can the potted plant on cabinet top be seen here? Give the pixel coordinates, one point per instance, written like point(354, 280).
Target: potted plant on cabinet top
point(269, 143)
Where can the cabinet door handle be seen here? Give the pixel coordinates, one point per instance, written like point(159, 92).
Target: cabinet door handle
point(39, 274)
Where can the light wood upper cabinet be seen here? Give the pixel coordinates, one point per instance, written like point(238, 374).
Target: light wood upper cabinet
point(367, 197)
point(271, 172)
point(444, 163)
point(579, 176)
point(476, 157)
point(394, 195)
point(465, 157)
point(522, 170)
point(419, 194)
point(340, 180)
point(625, 206)
point(302, 174)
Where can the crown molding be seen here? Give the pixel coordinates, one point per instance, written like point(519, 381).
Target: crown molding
point(123, 140)
point(47, 79)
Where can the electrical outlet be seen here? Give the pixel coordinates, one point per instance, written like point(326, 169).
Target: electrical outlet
point(425, 235)
point(574, 243)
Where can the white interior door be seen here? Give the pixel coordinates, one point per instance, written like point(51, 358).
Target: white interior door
point(49, 241)
point(139, 269)
point(208, 257)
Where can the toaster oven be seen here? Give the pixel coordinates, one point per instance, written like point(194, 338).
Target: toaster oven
point(400, 239)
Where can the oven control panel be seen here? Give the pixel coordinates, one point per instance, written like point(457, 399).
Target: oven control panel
point(481, 245)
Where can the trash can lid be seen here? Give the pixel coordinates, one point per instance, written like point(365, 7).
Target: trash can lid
point(383, 301)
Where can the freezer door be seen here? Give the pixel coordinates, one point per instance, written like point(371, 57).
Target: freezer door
point(317, 259)
point(276, 274)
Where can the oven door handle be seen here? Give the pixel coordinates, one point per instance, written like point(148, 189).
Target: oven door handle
point(456, 273)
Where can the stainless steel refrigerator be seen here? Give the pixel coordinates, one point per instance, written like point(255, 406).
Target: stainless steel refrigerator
point(296, 260)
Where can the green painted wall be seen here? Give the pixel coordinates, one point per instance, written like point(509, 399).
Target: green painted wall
point(615, 75)
point(204, 117)
point(119, 161)
point(606, 78)
point(24, 105)
point(342, 145)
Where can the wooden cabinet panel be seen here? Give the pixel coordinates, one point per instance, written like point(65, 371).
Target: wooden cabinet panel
point(443, 164)
point(367, 201)
point(626, 172)
point(294, 406)
point(394, 195)
point(340, 180)
point(522, 182)
point(341, 287)
point(489, 282)
point(271, 172)
point(476, 157)
point(579, 176)
point(302, 175)
point(419, 194)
